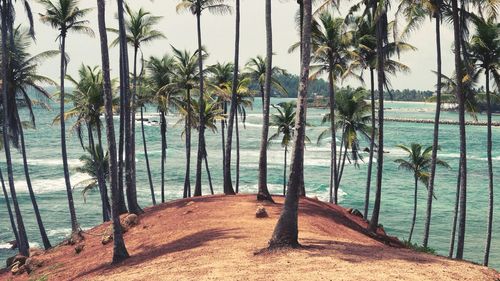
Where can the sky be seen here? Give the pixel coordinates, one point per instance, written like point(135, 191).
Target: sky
point(218, 38)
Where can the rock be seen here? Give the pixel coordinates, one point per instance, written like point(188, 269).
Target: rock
point(32, 264)
point(16, 259)
point(187, 212)
point(261, 212)
point(17, 269)
point(189, 203)
point(355, 212)
point(79, 248)
point(106, 239)
point(132, 220)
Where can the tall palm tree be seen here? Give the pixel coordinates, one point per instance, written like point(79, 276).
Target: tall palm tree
point(285, 122)
point(91, 163)
point(88, 104)
point(196, 7)
point(285, 233)
point(65, 16)
point(119, 250)
point(418, 162)
point(184, 81)
point(415, 12)
point(484, 49)
point(159, 75)
point(139, 31)
point(22, 75)
point(233, 112)
point(461, 119)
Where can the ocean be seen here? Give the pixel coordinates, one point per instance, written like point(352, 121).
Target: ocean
point(43, 148)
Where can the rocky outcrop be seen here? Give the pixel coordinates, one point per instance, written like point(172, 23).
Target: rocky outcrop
point(261, 212)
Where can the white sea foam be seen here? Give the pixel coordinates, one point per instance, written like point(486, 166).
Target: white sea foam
point(49, 162)
point(49, 185)
point(59, 232)
point(5, 245)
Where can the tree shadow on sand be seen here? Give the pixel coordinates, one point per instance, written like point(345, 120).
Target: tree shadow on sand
point(151, 252)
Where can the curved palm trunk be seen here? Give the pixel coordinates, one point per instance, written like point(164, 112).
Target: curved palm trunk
point(435, 143)
point(490, 173)
point(41, 227)
point(341, 172)
point(237, 152)
point(187, 176)
point(380, 152)
point(414, 210)
point(23, 245)
point(119, 250)
point(9, 209)
point(105, 188)
point(147, 158)
point(74, 223)
point(100, 176)
point(228, 185)
point(163, 132)
point(201, 101)
point(455, 216)
point(461, 118)
point(286, 230)
point(263, 192)
point(333, 143)
point(372, 144)
point(208, 174)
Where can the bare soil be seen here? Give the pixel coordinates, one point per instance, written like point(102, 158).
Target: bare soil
point(217, 238)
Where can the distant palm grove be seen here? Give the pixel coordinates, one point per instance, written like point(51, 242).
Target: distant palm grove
point(361, 44)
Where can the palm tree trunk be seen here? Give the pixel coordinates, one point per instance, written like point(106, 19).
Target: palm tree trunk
point(74, 223)
point(341, 172)
point(121, 147)
point(372, 143)
point(228, 185)
point(490, 173)
point(201, 101)
point(104, 187)
point(284, 172)
point(163, 132)
point(9, 210)
point(41, 227)
point(99, 174)
point(414, 210)
point(286, 230)
point(435, 143)
point(119, 250)
point(147, 158)
point(380, 152)
point(302, 189)
point(237, 151)
point(263, 192)
point(455, 216)
point(208, 174)
point(187, 176)
point(333, 143)
point(461, 118)
point(23, 245)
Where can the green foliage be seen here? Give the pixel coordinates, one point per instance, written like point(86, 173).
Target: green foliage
point(418, 248)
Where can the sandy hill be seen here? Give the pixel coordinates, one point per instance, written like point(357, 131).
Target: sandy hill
point(216, 238)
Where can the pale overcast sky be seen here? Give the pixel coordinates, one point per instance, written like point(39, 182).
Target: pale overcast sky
point(218, 38)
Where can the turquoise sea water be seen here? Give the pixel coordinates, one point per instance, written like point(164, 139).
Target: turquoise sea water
point(397, 194)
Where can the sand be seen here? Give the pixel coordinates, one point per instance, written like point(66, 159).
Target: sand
point(216, 238)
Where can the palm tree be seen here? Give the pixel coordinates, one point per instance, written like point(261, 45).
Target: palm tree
point(9, 209)
point(119, 250)
point(353, 117)
point(23, 76)
point(415, 12)
point(159, 75)
point(484, 49)
point(88, 104)
point(65, 16)
point(286, 230)
point(139, 31)
point(461, 119)
point(233, 112)
point(91, 164)
point(184, 81)
point(196, 7)
point(285, 122)
point(23, 245)
point(418, 162)
point(330, 43)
